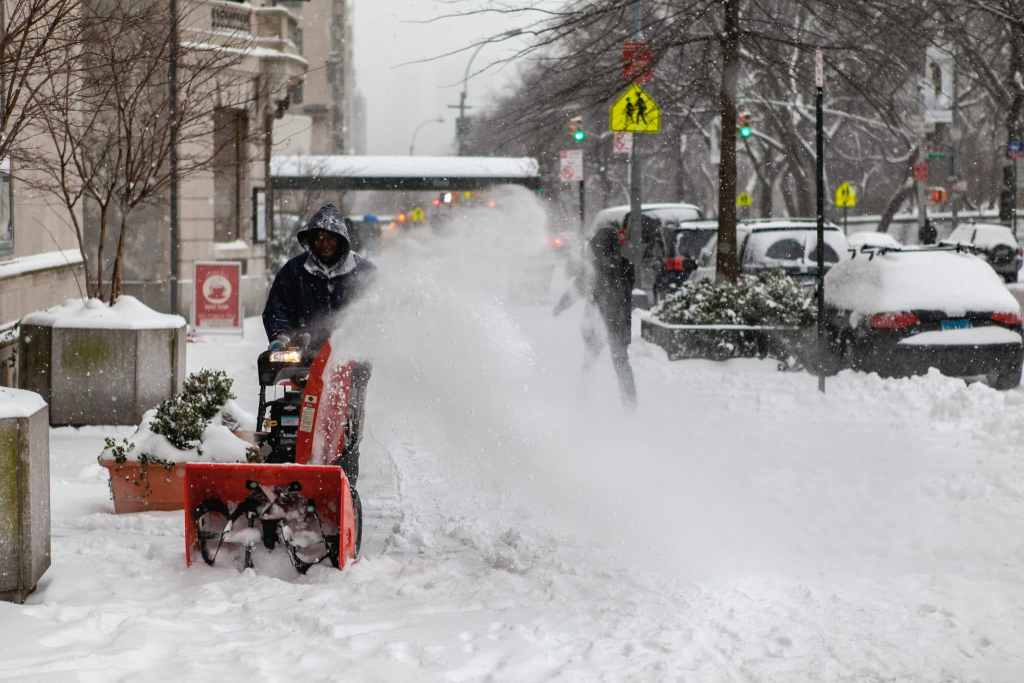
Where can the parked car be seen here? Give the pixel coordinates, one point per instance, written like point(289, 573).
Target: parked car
point(992, 241)
point(860, 241)
point(900, 313)
point(688, 245)
point(786, 243)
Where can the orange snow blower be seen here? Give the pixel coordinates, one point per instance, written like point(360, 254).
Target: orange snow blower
point(302, 497)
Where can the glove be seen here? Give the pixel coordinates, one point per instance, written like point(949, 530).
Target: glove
point(279, 342)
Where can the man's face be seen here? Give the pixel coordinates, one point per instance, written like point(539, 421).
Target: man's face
point(326, 246)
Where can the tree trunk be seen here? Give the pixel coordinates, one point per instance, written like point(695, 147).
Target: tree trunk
point(1008, 196)
point(901, 195)
point(118, 275)
point(727, 267)
point(99, 252)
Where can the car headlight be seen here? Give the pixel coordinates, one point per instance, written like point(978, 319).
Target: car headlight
point(286, 356)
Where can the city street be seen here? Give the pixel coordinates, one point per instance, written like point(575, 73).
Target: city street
point(520, 526)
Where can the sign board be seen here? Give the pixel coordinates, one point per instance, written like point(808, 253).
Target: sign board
point(635, 112)
point(846, 196)
point(744, 199)
point(921, 171)
point(937, 85)
point(622, 143)
point(637, 60)
point(417, 215)
point(570, 165)
point(819, 68)
point(1015, 149)
point(216, 296)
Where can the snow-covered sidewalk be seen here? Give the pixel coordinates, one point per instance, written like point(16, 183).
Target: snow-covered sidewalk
point(519, 527)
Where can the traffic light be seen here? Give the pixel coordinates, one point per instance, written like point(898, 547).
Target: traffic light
point(744, 125)
point(938, 195)
point(576, 130)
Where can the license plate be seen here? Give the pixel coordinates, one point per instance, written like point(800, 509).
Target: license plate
point(959, 324)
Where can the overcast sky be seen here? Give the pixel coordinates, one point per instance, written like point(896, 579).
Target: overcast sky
point(398, 98)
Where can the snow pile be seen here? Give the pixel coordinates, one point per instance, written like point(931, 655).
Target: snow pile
point(954, 283)
point(19, 403)
point(127, 313)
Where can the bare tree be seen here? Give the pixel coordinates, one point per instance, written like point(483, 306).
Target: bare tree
point(108, 118)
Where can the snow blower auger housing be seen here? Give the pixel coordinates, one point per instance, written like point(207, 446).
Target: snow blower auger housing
point(302, 497)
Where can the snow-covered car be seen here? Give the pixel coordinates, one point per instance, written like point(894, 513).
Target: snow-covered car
point(789, 244)
point(994, 242)
point(869, 239)
point(900, 313)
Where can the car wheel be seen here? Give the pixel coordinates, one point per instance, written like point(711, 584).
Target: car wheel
point(1007, 380)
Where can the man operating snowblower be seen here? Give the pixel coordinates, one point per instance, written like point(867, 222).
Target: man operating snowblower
point(295, 495)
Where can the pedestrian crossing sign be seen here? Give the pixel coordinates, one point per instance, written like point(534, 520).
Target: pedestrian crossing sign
point(635, 112)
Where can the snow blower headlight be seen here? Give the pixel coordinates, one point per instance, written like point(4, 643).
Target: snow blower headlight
point(286, 356)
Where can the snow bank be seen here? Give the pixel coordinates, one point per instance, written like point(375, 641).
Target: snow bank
point(19, 403)
point(975, 336)
point(219, 443)
point(127, 314)
point(954, 283)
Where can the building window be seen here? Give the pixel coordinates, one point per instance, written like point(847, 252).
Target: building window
point(230, 173)
point(6, 209)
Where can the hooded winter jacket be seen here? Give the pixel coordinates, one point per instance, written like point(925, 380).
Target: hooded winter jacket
point(306, 293)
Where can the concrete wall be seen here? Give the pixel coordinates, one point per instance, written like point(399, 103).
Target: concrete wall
point(24, 504)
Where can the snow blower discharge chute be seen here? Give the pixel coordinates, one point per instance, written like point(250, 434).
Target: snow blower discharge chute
point(301, 498)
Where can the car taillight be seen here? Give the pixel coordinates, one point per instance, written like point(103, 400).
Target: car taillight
point(893, 321)
point(1012, 319)
point(674, 263)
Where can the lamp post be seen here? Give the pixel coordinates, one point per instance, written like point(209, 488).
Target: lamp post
point(461, 124)
point(415, 132)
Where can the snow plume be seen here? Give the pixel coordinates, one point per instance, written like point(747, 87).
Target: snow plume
point(489, 419)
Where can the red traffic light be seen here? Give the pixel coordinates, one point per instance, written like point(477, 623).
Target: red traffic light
point(938, 195)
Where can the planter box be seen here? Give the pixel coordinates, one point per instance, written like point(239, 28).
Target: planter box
point(691, 341)
point(96, 376)
point(24, 502)
point(139, 488)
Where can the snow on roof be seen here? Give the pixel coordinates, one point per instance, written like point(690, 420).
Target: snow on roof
point(127, 314)
point(954, 283)
point(403, 167)
point(35, 262)
point(19, 403)
point(784, 224)
point(869, 238)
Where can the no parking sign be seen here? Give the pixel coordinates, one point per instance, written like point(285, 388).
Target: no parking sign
point(216, 296)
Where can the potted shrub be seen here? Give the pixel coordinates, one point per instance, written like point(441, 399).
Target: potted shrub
point(202, 423)
point(767, 314)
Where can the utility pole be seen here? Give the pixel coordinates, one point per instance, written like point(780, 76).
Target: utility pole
point(173, 154)
point(955, 135)
point(636, 248)
point(819, 78)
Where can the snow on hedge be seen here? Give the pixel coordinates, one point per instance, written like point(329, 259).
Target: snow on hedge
point(127, 313)
point(19, 403)
point(947, 281)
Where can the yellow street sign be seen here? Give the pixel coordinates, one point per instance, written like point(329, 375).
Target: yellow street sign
point(635, 112)
point(417, 215)
point(846, 196)
point(744, 199)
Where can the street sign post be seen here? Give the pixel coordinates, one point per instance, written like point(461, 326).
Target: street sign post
point(635, 111)
point(819, 119)
point(570, 168)
point(637, 58)
point(846, 198)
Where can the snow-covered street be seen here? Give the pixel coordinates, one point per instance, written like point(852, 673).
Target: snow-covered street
point(518, 526)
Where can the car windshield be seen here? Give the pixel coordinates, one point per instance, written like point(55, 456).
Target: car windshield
point(794, 250)
point(691, 241)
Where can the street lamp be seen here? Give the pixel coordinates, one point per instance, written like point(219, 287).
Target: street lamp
point(412, 143)
point(461, 127)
